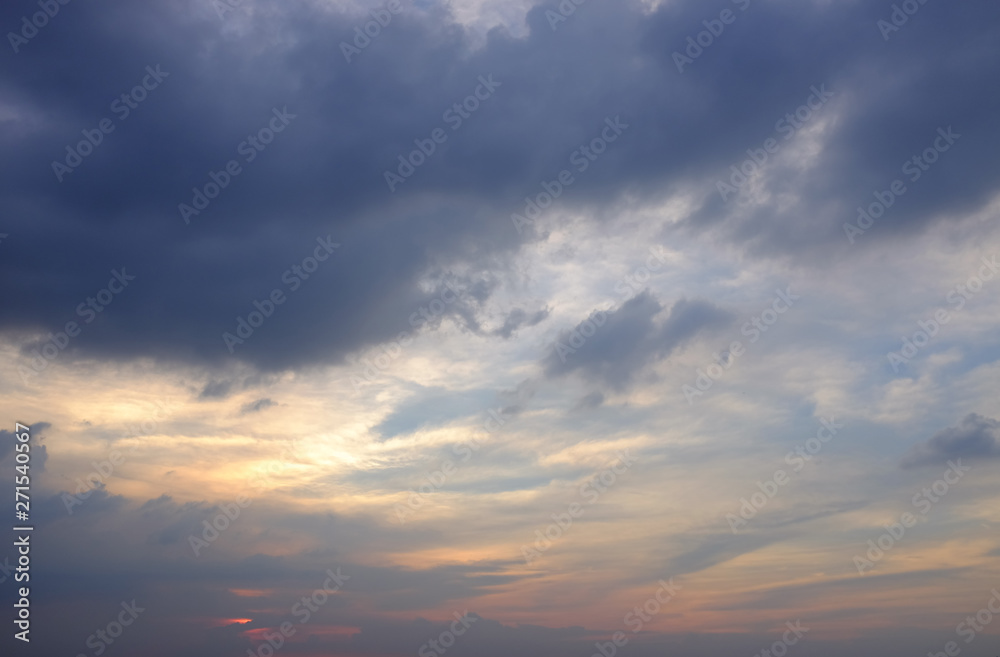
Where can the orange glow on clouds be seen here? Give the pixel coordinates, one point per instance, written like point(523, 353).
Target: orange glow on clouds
point(250, 593)
point(223, 622)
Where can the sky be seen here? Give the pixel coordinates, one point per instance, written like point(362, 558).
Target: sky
point(340, 328)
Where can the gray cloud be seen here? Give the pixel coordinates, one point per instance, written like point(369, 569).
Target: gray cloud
point(324, 174)
point(623, 341)
point(39, 453)
point(257, 406)
point(516, 399)
point(224, 387)
point(216, 390)
point(974, 437)
point(447, 224)
point(520, 318)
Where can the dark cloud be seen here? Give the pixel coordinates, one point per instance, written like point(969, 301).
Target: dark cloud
point(520, 318)
point(257, 406)
point(612, 347)
point(224, 387)
point(107, 553)
point(323, 176)
point(39, 453)
point(974, 437)
point(59, 506)
point(446, 231)
point(515, 400)
point(216, 390)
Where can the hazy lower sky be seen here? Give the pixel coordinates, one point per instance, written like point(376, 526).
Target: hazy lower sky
point(482, 328)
